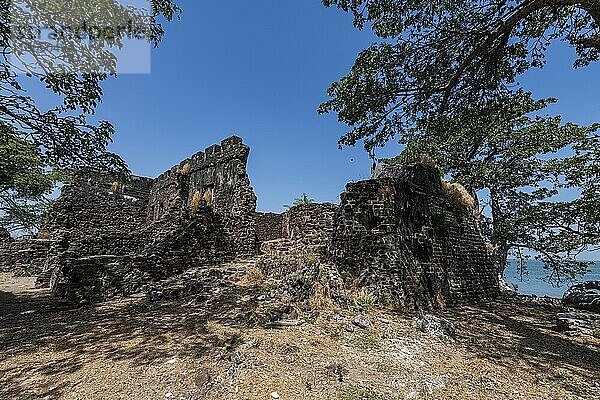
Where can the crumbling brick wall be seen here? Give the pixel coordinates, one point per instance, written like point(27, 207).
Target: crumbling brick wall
point(199, 241)
point(97, 215)
point(216, 178)
point(310, 224)
point(305, 224)
point(116, 236)
point(100, 213)
point(269, 226)
point(24, 256)
point(397, 235)
point(401, 237)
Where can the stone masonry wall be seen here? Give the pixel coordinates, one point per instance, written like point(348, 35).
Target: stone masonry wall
point(218, 179)
point(269, 226)
point(97, 215)
point(413, 247)
point(4, 236)
point(25, 256)
point(113, 237)
point(396, 235)
point(96, 204)
point(100, 212)
point(310, 224)
point(199, 241)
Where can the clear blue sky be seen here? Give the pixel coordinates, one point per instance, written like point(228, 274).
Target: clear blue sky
point(259, 69)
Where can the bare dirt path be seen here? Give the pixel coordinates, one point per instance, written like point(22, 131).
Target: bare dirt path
point(134, 349)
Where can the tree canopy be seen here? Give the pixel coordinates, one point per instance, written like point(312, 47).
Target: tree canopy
point(70, 49)
point(537, 176)
point(440, 56)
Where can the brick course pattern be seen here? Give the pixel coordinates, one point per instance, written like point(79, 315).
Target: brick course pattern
point(412, 246)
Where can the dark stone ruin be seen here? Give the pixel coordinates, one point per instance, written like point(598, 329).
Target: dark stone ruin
point(397, 236)
point(400, 236)
point(23, 257)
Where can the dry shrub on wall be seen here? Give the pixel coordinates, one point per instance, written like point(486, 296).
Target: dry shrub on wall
point(321, 298)
point(460, 195)
point(195, 203)
point(252, 276)
point(208, 196)
point(185, 170)
point(117, 187)
point(43, 235)
point(440, 301)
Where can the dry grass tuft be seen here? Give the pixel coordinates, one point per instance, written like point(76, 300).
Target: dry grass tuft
point(366, 341)
point(355, 392)
point(185, 170)
point(459, 194)
point(43, 235)
point(114, 187)
point(490, 247)
point(310, 258)
point(321, 298)
point(440, 301)
point(208, 196)
point(252, 276)
point(195, 203)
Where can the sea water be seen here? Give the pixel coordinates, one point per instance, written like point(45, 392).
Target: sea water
point(535, 280)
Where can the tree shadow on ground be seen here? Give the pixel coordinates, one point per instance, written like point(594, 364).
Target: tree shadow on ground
point(7, 297)
point(133, 330)
point(509, 334)
point(143, 332)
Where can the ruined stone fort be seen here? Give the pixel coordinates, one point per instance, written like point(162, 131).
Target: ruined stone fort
point(397, 235)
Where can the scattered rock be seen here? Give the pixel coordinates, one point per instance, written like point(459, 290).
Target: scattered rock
point(236, 362)
point(249, 345)
point(435, 326)
point(585, 296)
point(168, 395)
point(539, 301)
point(252, 360)
point(288, 359)
point(290, 349)
point(274, 395)
point(236, 358)
point(578, 323)
point(202, 379)
point(361, 322)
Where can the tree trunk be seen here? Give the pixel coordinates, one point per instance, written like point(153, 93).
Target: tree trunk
point(498, 240)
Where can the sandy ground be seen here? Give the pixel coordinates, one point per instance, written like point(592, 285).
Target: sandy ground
point(133, 349)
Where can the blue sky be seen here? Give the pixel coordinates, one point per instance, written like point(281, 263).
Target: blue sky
point(259, 69)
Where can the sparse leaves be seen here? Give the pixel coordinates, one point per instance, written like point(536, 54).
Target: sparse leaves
point(302, 200)
point(439, 57)
point(36, 143)
point(521, 164)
